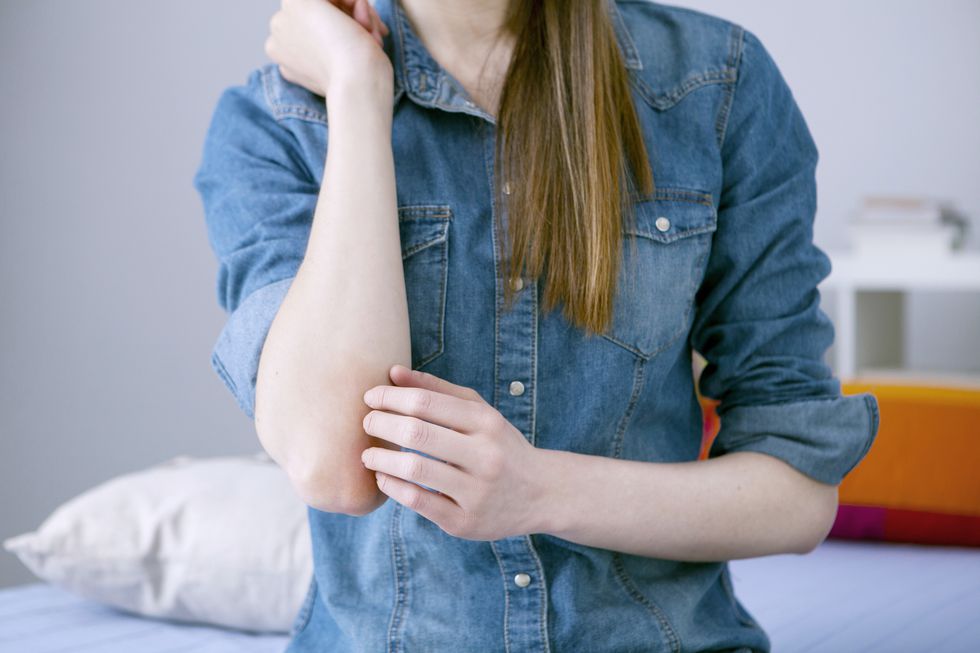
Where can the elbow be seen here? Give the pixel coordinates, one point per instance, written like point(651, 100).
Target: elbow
point(324, 467)
point(355, 505)
point(821, 514)
point(351, 491)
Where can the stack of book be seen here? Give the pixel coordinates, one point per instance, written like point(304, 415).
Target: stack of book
point(896, 225)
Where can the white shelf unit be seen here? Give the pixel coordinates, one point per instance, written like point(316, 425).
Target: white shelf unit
point(869, 293)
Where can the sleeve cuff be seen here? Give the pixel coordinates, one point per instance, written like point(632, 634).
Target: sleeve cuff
point(235, 356)
point(824, 438)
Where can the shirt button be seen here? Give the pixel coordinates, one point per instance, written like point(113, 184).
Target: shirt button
point(522, 580)
point(663, 224)
point(506, 188)
point(469, 104)
point(516, 389)
point(517, 283)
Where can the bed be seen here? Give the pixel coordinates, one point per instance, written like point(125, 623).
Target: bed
point(844, 596)
point(42, 618)
point(899, 572)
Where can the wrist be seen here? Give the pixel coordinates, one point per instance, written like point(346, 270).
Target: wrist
point(364, 90)
point(552, 500)
point(357, 111)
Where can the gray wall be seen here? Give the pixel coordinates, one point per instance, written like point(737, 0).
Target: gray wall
point(107, 283)
point(106, 280)
point(891, 92)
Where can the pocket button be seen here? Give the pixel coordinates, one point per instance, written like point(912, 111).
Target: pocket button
point(662, 223)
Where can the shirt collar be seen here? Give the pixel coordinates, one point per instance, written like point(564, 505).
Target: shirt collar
point(417, 73)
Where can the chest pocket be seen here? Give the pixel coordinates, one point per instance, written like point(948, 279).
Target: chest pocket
point(424, 231)
point(659, 278)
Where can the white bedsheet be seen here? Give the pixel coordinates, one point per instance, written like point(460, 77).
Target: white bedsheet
point(42, 618)
point(867, 597)
point(845, 597)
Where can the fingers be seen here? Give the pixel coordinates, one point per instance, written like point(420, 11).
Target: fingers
point(413, 433)
point(346, 5)
point(462, 415)
point(366, 15)
point(402, 375)
point(378, 23)
point(410, 466)
point(362, 14)
point(287, 74)
point(439, 509)
point(375, 29)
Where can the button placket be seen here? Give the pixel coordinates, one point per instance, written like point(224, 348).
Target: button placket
point(515, 358)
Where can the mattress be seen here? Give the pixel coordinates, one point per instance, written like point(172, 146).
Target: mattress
point(843, 597)
point(872, 597)
point(42, 618)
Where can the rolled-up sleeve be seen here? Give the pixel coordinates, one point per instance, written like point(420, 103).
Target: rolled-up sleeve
point(259, 200)
point(759, 323)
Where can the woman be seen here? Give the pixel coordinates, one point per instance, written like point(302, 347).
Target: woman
point(489, 162)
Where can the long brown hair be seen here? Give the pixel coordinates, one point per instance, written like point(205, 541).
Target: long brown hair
point(570, 145)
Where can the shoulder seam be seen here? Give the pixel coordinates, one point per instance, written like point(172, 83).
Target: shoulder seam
point(737, 46)
point(718, 71)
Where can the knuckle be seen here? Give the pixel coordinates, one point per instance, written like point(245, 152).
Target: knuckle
point(487, 421)
point(421, 401)
point(415, 469)
point(416, 433)
point(455, 527)
point(417, 500)
point(474, 395)
point(493, 464)
point(368, 422)
point(465, 526)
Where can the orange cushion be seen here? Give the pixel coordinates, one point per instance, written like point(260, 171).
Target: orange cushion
point(923, 469)
point(927, 453)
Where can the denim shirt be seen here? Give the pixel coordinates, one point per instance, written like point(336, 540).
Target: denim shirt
point(725, 265)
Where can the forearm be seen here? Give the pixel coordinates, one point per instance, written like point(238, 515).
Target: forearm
point(344, 321)
point(740, 505)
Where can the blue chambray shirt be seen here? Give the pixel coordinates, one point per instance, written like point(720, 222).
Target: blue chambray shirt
point(725, 265)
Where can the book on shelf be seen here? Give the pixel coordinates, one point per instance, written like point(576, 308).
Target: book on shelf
point(903, 225)
point(894, 209)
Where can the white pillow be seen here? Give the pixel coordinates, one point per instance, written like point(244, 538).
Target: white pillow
point(221, 541)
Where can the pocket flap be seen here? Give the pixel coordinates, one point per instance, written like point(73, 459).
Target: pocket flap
point(672, 214)
point(422, 225)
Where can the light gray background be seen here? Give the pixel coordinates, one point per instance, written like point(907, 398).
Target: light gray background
point(107, 282)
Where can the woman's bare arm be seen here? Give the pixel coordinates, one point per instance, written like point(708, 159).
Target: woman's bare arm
point(344, 321)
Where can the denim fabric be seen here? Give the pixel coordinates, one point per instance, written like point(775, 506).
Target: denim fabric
point(725, 264)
